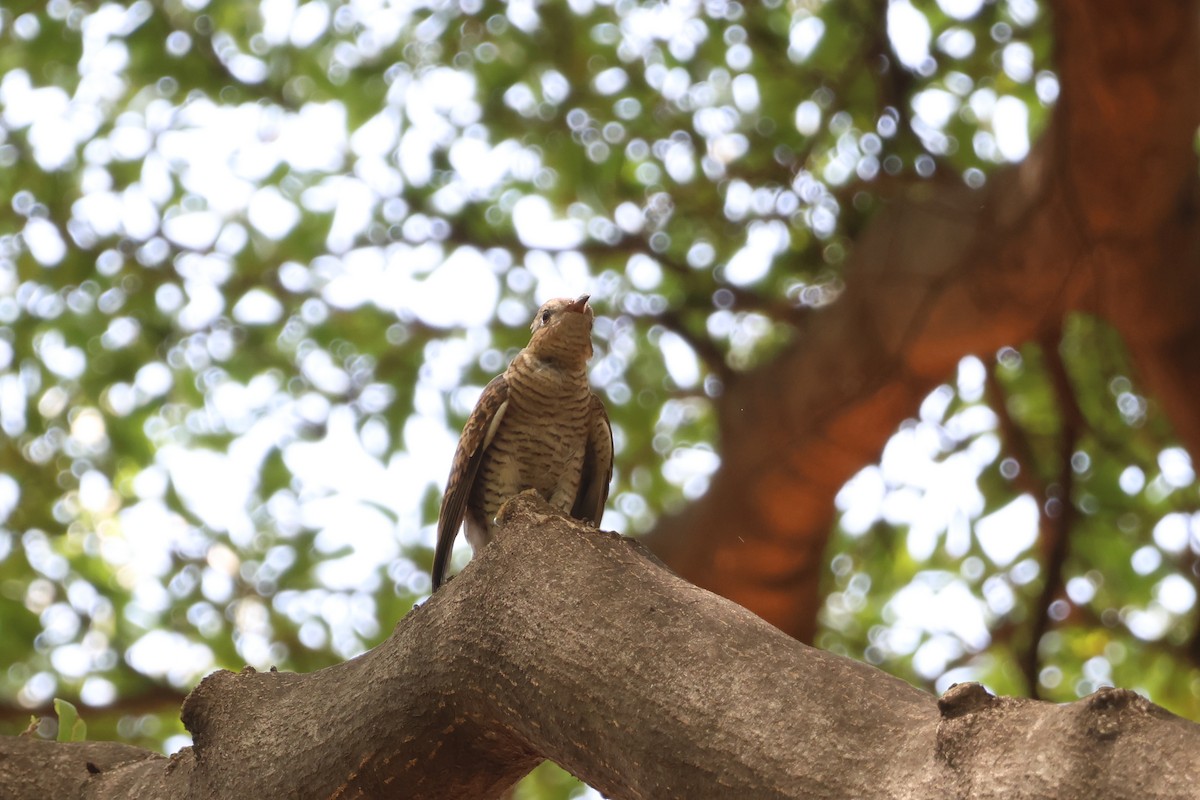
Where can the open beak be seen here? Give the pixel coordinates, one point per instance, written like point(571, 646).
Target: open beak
point(580, 305)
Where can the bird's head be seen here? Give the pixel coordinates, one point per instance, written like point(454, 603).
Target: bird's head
point(562, 330)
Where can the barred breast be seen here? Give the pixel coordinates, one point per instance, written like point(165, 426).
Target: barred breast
point(542, 443)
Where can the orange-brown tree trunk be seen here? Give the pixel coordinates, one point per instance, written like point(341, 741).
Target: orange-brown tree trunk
point(1101, 217)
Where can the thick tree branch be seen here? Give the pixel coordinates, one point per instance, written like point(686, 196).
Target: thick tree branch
point(562, 642)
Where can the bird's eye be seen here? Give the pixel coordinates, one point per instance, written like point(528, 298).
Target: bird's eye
point(546, 317)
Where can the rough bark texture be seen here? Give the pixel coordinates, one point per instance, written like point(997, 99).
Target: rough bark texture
point(1102, 217)
point(565, 643)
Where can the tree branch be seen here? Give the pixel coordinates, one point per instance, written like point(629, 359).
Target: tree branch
point(562, 642)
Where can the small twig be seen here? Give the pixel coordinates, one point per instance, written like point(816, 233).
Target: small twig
point(157, 699)
point(1055, 527)
point(1016, 443)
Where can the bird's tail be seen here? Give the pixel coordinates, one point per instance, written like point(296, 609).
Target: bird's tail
point(441, 560)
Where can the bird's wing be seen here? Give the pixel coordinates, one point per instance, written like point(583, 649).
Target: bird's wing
point(597, 467)
point(476, 436)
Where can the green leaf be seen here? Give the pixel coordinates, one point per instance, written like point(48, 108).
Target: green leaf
point(71, 727)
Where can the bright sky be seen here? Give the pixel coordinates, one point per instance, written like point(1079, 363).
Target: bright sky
point(368, 507)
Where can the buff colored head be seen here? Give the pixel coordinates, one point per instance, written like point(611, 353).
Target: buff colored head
point(562, 329)
point(553, 312)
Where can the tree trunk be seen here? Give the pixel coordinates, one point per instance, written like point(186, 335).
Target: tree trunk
point(565, 643)
point(1101, 217)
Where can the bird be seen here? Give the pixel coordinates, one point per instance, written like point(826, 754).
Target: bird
point(537, 425)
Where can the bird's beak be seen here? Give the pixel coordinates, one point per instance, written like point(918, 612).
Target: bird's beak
point(580, 305)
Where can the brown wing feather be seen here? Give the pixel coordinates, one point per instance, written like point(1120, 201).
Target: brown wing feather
point(476, 436)
point(597, 468)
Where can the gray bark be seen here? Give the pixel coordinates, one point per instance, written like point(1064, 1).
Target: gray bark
point(563, 642)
